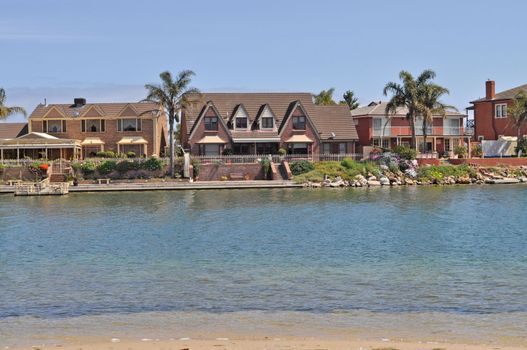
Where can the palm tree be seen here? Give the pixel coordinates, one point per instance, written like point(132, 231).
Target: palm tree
point(6, 111)
point(325, 98)
point(432, 105)
point(409, 95)
point(173, 97)
point(350, 100)
point(517, 112)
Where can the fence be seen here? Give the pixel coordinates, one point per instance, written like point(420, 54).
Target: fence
point(276, 158)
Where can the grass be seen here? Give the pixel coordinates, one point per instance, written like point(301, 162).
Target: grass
point(347, 170)
point(439, 172)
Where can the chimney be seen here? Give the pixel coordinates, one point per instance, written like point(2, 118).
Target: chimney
point(490, 89)
point(79, 102)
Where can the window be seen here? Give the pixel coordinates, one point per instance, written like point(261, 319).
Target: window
point(211, 149)
point(298, 148)
point(128, 125)
point(342, 148)
point(501, 111)
point(93, 125)
point(447, 145)
point(267, 123)
point(299, 123)
point(377, 124)
point(385, 143)
point(241, 123)
point(54, 126)
point(376, 142)
point(326, 148)
point(211, 123)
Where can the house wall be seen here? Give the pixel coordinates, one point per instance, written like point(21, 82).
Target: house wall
point(364, 130)
point(488, 126)
point(200, 132)
point(111, 136)
point(288, 132)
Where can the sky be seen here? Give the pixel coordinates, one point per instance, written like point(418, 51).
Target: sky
point(107, 50)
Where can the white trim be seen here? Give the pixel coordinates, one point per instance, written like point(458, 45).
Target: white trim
point(503, 111)
point(269, 114)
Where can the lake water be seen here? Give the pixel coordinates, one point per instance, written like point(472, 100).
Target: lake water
point(453, 252)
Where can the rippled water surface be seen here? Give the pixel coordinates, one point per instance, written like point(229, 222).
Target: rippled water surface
point(458, 250)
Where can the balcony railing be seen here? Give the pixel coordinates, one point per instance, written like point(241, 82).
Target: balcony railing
point(394, 131)
point(276, 158)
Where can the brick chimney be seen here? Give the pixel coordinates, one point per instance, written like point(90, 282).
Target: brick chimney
point(490, 86)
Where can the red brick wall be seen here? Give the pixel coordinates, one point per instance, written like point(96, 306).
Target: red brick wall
point(364, 127)
point(288, 132)
point(212, 172)
point(490, 162)
point(490, 127)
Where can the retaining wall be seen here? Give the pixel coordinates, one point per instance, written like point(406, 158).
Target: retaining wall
point(490, 162)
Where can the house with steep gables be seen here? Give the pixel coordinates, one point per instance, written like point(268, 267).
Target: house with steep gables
point(119, 127)
point(262, 123)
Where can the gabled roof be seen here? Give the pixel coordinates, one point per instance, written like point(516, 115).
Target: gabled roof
point(108, 110)
point(226, 102)
point(335, 123)
point(379, 109)
point(12, 130)
point(505, 95)
point(209, 105)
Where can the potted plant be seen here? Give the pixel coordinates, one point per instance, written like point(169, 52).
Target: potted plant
point(282, 152)
point(460, 151)
point(44, 167)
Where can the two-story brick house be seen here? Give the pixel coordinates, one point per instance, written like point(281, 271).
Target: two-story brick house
point(119, 127)
point(377, 128)
point(262, 123)
point(490, 113)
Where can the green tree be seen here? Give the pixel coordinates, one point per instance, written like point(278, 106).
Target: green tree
point(350, 100)
point(432, 105)
point(409, 95)
point(325, 98)
point(517, 113)
point(173, 97)
point(6, 111)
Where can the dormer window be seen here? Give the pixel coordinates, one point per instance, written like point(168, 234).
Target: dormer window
point(267, 123)
point(299, 123)
point(241, 123)
point(211, 123)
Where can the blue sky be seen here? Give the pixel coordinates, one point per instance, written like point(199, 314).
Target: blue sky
point(107, 50)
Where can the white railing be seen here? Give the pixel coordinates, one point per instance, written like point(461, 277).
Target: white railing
point(394, 131)
point(276, 158)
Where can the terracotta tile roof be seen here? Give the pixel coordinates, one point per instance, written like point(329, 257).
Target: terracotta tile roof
point(379, 109)
point(108, 110)
point(506, 95)
point(327, 119)
point(334, 120)
point(12, 130)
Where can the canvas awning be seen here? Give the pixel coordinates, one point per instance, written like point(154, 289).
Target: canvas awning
point(132, 140)
point(211, 139)
point(256, 140)
point(92, 141)
point(299, 139)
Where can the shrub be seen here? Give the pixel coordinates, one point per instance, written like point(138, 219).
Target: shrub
point(522, 146)
point(106, 167)
point(227, 152)
point(266, 166)
point(131, 154)
point(348, 163)
point(196, 165)
point(301, 167)
point(477, 151)
point(123, 166)
point(2, 166)
point(282, 151)
point(439, 172)
point(152, 164)
point(460, 151)
point(76, 166)
point(106, 154)
point(405, 152)
point(88, 167)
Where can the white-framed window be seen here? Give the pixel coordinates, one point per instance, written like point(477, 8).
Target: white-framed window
point(500, 110)
point(54, 126)
point(93, 125)
point(385, 143)
point(376, 142)
point(128, 124)
point(299, 123)
point(447, 145)
point(267, 123)
point(241, 123)
point(377, 124)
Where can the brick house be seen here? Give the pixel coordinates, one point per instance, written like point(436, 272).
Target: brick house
point(262, 123)
point(376, 128)
point(490, 113)
point(119, 127)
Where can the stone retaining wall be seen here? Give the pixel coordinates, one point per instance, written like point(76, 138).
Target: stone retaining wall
point(214, 172)
point(490, 162)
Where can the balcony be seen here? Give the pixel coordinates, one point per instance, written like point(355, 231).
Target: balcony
point(395, 131)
